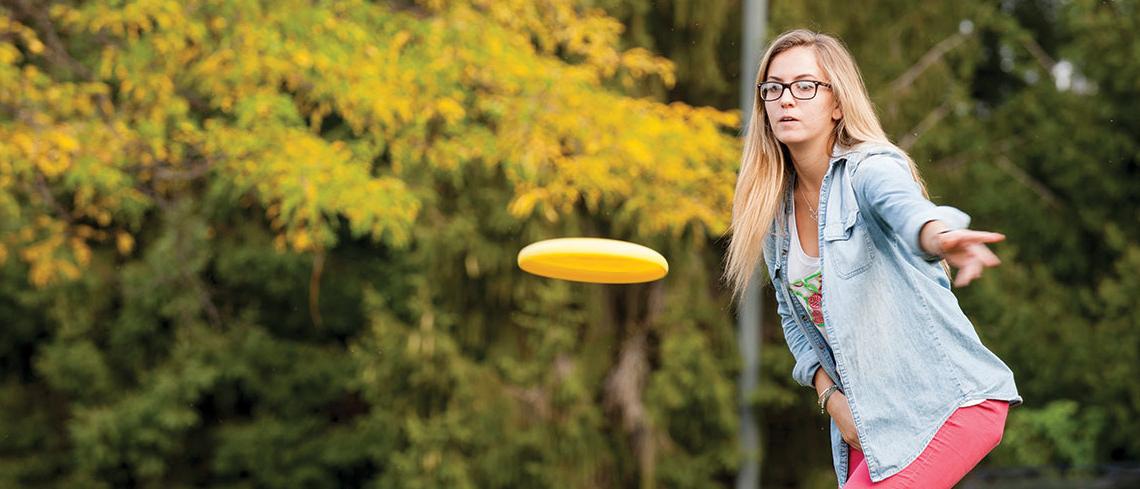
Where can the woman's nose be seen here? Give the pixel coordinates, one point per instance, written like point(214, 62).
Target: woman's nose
point(786, 99)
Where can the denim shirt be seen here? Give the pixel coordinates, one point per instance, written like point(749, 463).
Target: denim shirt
point(901, 349)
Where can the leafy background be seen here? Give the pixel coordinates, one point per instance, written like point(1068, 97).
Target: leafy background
point(271, 243)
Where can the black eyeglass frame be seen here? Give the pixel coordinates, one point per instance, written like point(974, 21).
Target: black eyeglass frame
point(788, 86)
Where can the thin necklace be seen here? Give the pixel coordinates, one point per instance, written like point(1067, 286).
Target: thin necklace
point(814, 216)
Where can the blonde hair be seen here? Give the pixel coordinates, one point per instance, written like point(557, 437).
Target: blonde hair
point(765, 167)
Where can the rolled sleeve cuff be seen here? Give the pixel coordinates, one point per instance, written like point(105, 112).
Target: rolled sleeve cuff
point(950, 216)
point(804, 372)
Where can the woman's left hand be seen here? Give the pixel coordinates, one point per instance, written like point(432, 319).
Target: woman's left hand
point(965, 249)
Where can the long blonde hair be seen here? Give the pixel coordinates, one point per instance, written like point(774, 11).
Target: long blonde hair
point(765, 167)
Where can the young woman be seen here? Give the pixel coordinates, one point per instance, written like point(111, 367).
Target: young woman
point(823, 196)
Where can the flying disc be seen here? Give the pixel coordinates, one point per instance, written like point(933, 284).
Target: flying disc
point(594, 260)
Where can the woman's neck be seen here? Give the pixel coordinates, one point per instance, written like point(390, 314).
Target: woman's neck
point(811, 160)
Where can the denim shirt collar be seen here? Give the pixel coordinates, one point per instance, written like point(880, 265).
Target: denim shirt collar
point(778, 247)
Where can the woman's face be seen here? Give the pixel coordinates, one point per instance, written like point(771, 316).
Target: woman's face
point(796, 121)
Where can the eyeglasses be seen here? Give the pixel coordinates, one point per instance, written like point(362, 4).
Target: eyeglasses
point(801, 89)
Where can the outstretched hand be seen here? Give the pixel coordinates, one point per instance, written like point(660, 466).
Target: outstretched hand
point(965, 249)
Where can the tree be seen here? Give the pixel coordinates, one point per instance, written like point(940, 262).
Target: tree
point(272, 244)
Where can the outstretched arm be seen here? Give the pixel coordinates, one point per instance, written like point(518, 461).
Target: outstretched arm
point(885, 184)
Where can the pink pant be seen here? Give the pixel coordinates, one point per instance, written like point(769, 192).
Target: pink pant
point(969, 434)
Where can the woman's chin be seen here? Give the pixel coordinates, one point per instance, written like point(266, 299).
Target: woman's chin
point(791, 138)
point(797, 138)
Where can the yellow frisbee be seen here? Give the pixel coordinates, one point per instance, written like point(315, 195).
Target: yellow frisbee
point(595, 260)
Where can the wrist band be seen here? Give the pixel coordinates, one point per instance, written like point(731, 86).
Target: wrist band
point(825, 396)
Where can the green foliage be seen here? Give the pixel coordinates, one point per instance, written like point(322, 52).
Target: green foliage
point(1057, 432)
point(272, 244)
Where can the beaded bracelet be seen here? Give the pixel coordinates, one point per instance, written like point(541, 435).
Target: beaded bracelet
point(825, 396)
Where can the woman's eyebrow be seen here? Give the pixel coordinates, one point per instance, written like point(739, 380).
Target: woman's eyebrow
point(805, 75)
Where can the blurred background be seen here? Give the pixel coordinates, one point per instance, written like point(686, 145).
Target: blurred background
point(268, 244)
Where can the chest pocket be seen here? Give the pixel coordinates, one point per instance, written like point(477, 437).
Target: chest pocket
point(849, 249)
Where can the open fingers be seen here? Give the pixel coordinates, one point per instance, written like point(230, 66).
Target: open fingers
point(986, 236)
point(987, 257)
point(968, 273)
point(965, 237)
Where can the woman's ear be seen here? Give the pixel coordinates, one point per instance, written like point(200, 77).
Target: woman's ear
point(837, 113)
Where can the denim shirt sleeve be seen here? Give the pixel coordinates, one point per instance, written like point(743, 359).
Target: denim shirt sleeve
point(806, 360)
point(885, 183)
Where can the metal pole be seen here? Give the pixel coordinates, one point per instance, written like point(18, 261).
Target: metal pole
point(755, 22)
point(748, 317)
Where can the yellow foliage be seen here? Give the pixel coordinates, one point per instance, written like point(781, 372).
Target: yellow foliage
point(124, 242)
point(320, 114)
